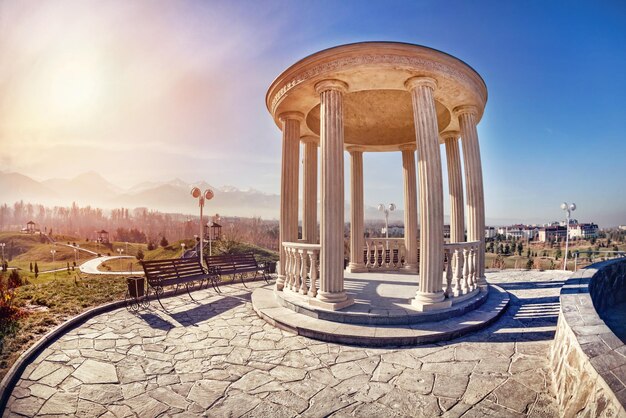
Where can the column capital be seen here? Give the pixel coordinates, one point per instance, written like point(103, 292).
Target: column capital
point(447, 135)
point(465, 109)
point(310, 139)
point(331, 84)
point(414, 82)
point(285, 116)
point(355, 148)
point(408, 147)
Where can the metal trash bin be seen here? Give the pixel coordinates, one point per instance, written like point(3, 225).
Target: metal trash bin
point(136, 287)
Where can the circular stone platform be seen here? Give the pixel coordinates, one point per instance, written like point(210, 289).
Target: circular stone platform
point(381, 299)
point(266, 304)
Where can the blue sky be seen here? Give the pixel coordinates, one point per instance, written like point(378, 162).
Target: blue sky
point(183, 85)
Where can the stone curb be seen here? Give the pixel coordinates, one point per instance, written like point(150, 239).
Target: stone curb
point(14, 373)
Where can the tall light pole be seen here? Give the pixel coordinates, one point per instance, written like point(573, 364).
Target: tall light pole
point(568, 210)
point(2, 244)
point(207, 195)
point(182, 244)
point(120, 251)
point(53, 252)
point(385, 211)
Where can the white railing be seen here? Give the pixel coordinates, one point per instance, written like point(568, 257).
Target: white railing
point(460, 268)
point(302, 267)
point(384, 253)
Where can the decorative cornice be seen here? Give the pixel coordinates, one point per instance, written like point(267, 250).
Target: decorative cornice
point(310, 139)
point(461, 110)
point(452, 135)
point(355, 148)
point(345, 63)
point(414, 82)
point(291, 116)
point(408, 147)
point(331, 84)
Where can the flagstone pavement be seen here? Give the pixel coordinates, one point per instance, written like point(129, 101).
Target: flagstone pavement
point(215, 357)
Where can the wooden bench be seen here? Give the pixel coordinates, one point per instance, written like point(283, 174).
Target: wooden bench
point(237, 264)
point(176, 272)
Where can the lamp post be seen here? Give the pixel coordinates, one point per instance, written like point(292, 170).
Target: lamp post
point(126, 247)
point(120, 251)
point(2, 245)
point(77, 252)
point(53, 252)
point(568, 210)
point(182, 244)
point(207, 195)
point(385, 211)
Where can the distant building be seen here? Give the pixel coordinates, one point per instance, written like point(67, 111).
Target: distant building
point(584, 231)
point(30, 228)
point(549, 233)
point(103, 237)
point(519, 231)
point(622, 227)
point(490, 232)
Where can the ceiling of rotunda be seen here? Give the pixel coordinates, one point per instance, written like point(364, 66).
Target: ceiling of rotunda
point(378, 118)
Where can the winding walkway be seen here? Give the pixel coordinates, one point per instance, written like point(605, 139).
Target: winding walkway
point(91, 266)
point(217, 358)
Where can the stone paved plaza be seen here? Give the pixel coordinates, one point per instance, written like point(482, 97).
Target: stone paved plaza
point(215, 357)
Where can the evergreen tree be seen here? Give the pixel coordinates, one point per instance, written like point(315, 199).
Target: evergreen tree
point(140, 255)
point(520, 248)
point(31, 266)
point(164, 243)
point(36, 270)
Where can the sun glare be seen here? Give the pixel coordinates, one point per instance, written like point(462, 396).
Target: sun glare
point(73, 88)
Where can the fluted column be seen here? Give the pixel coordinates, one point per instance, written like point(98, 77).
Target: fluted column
point(309, 190)
point(331, 293)
point(410, 206)
point(455, 186)
point(474, 185)
point(357, 241)
point(430, 295)
point(289, 186)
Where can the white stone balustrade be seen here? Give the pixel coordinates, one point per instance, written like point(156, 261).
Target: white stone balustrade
point(302, 268)
point(384, 253)
point(460, 271)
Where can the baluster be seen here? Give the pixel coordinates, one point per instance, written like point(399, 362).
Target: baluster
point(303, 271)
point(296, 271)
point(473, 267)
point(287, 266)
point(465, 283)
point(381, 254)
point(313, 274)
point(448, 255)
point(458, 272)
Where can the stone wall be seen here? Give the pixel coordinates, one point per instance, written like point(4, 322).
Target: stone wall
point(588, 361)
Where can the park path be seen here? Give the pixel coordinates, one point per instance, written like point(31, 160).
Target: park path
point(216, 357)
point(91, 266)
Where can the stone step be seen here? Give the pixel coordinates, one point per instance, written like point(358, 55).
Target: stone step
point(267, 307)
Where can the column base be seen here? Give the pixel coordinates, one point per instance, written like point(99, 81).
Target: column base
point(331, 306)
point(356, 268)
point(481, 282)
point(410, 268)
point(430, 301)
point(280, 282)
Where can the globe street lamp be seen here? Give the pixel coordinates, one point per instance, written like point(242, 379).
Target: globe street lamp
point(207, 195)
point(568, 211)
point(386, 210)
point(53, 252)
point(120, 251)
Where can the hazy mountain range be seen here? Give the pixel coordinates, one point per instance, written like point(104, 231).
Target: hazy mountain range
point(169, 196)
